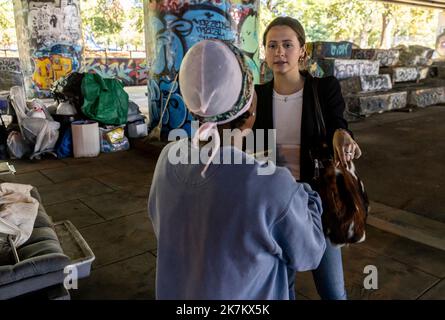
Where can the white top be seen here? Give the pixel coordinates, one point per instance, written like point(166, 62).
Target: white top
point(287, 111)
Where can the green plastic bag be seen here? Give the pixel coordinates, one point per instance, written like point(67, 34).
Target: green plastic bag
point(105, 100)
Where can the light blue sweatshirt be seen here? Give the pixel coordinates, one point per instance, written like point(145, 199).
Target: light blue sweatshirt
point(234, 234)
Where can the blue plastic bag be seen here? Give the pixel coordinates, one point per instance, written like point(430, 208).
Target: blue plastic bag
point(65, 148)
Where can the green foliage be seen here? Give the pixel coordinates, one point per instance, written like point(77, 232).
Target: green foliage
point(358, 21)
point(362, 22)
point(7, 25)
point(110, 22)
point(103, 16)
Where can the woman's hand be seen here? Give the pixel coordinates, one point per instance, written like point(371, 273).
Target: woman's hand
point(345, 148)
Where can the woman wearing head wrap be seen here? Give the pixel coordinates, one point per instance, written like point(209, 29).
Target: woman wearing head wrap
point(287, 104)
point(225, 231)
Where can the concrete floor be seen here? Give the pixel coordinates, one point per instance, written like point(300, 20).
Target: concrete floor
point(403, 157)
point(105, 198)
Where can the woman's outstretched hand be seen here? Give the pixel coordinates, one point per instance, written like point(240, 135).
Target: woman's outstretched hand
point(345, 148)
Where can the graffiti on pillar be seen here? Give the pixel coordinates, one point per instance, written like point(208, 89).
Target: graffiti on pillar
point(248, 41)
point(52, 63)
point(53, 33)
point(175, 27)
point(170, 32)
point(54, 22)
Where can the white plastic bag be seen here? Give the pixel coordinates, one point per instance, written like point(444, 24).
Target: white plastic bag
point(17, 146)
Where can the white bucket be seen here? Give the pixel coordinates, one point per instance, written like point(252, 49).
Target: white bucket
point(86, 141)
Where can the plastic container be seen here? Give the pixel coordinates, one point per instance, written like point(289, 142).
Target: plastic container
point(86, 142)
point(137, 130)
point(75, 247)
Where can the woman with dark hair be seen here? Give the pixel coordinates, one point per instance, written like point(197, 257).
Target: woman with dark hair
point(286, 103)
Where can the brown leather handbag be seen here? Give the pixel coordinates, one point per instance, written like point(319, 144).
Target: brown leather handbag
point(344, 199)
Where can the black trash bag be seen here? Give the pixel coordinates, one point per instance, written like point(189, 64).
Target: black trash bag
point(69, 89)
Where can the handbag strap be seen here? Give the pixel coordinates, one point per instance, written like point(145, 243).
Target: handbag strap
point(319, 120)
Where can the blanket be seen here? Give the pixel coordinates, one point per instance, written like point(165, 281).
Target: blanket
point(18, 211)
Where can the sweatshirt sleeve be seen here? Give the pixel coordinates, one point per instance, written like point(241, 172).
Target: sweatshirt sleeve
point(298, 234)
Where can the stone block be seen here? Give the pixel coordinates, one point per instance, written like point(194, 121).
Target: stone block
point(350, 86)
point(406, 74)
point(366, 104)
point(387, 58)
point(322, 49)
point(415, 55)
point(381, 82)
point(426, 97)
point(348, 68)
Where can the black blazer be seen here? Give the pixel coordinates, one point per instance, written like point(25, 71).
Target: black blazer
point(332, 105)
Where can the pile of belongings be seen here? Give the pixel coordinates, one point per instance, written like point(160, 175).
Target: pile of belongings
point(41, 129)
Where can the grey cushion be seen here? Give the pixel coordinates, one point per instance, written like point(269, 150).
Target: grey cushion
point(32, 267)
point(42, 259)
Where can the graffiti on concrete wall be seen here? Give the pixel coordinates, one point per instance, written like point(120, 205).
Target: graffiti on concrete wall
point(9, 65)
point(415, 55)
point(427, 97)
point(175, 26)
point(379, 82)
point(387, 58)
point(347, 68)
point(376, 103)
point(398, 100)
point(329, 49)
point(10, 74)
point(405, 74)
point(54, 38)
point(132, 72)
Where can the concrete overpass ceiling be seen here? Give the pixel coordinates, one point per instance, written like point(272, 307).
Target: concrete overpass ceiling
point(436, 4)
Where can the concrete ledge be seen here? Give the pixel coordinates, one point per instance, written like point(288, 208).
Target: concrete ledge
point(376, 102)
point(380, 82)
point(348, 68)
point(387, 58)
point(426, 97)
point(408, 225)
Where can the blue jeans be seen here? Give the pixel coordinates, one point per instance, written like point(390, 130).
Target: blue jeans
point(328, 277)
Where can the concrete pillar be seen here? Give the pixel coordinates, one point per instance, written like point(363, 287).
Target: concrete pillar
point(50, 42)
point(440, 43)
point(172, 27)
